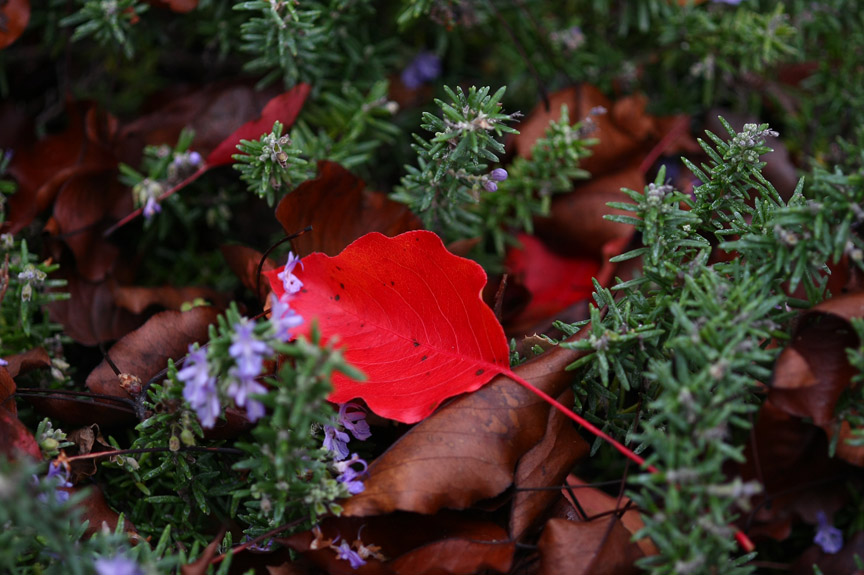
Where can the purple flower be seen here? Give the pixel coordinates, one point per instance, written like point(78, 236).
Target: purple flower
point(241, 388)
point(199, 388)
point(195, 158)
point(490, 186)
point(289, 281)
point(425, 67)
point(732, 2)
point(349, 476)
point(344, 551)
point(151, 208)
point(354, 421)
point(336, 441)
point(283, 318)
point(498, 175)
point(3, 362)
point(828, 537)
point(247, 351)
point(117, 565)
point(58, 480)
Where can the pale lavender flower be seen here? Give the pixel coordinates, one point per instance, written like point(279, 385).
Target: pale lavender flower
point(425, 67)
point(117, 565)
point(195, 158)
point(151, 208)
point(246, 350)
point(3, 362)
point(350, 476)
point(283, 318)
point(199, 389)
point(336, 441)
point(344, 551)
point(354, 421)
point(828, 537)
point(290, 282)
point(241, 388)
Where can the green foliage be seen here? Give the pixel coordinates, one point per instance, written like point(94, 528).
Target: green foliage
point(277, 475)
point(300, 42)
point(551, 169)
point(43, 532)
point(110, 22)
point(270, 163)
point(687, 338)
point(452, 166)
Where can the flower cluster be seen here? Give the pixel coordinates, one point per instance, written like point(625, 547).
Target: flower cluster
point(249, 347)
point(352, 418)
point(58, 479)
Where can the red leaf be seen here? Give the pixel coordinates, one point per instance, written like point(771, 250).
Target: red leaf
point(284, 108)
point(14, 16)
point(410, 316)
point(15, 439)
point(555, 281)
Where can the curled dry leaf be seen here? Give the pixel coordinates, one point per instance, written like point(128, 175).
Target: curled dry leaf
point(145, 351)
point(790, 458)
point(595, 502)
point(27, 361)
point(244, 262)
point(813, 371)
point(138, 298)
point(83, 209)
point(598, 547)
point(91, 315)
point(14, 16)
point(42, 168)
point(544, 465)
point(7, 391)
point(576, 227)
point(469, 450)
point(441, 544)
point(340, 209)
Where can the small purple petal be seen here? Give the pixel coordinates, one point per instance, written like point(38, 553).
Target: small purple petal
point(345, 552)
point(354, 421)
point(117, 565)
point(195, 158)
point(498, 175)
point(336, 441)
point(151, 208)
point(283, 318)
point(828, 537)
point(290, 282)
point(199, 389)
point(490, 186)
